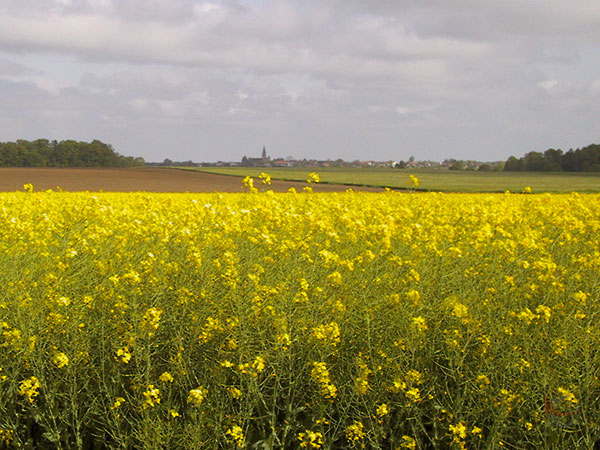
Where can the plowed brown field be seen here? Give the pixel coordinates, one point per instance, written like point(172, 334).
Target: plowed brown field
point(138, 179)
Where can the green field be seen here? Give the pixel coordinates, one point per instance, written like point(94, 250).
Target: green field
point(429, 180)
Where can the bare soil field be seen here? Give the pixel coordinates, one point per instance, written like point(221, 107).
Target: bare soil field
point(138, 179)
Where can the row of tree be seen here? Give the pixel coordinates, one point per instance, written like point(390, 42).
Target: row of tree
point(586, 159)
point(69, 153)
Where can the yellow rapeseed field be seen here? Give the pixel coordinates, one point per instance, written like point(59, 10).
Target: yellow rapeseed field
point(299, 320)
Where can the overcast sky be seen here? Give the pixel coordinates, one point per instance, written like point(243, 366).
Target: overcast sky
point(353, 79)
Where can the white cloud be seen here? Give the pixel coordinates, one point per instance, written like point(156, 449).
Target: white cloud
point(139, 104)
point(47, 85)
point(548, 85)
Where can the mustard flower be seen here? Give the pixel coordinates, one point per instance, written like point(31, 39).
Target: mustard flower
point(151, 396)
point(237, 436)
point(60, 360)
point(310, 439)
point(29, 388)
point(355, 432)
point(196, 396)
point(166, 377)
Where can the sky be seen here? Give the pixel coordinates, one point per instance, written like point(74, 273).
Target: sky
point(327, 79)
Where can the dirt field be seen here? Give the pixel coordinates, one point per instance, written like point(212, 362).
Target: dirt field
point(142, 179)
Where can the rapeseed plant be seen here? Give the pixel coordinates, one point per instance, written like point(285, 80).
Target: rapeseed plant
point(299, 320)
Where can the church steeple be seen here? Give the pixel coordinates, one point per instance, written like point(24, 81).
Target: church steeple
point(264, 153)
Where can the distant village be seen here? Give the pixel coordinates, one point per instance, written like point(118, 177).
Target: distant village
point(264, 160)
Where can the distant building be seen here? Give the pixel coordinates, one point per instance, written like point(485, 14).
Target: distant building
point(263, 161)
point(281, 163)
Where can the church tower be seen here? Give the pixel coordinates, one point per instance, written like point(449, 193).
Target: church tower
point(264, 153)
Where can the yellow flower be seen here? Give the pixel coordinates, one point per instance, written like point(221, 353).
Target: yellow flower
point(60, 360)
point(414, 296)
point(118, 402)
point(284, 340)
point(237, 435)
point(483, 381)
point(414, 377)
point(460, 311)
point(397, 386)
point(459, 433)
point(166, 377)
point(414, 181)
point(265, 178)
point(310, 439)
point(259, 364)
point(152, 397)
point(313, 178)
point(581, 297)
point(234, 392)
point(29, 388)
point(335, 278)
point(124, 354)
point(329, 333)
point(63, 301)
point(408, 442)
point(196, 396)
point(210, 327)
point(361, 385)
point(355, 432)
point(413, 394)
point(560, 345)
point(522, 365)
point(545, 312)
point(568, 396)
point(419, 323)
point(254, 368)
point(12, 336)
point(6, 436)
point(151, 320)
point(382, 410)
point(320, 374)
point(458, 430)
point(248, 183)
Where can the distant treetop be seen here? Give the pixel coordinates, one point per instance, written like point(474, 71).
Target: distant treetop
point(69, 153)
point(586, 159)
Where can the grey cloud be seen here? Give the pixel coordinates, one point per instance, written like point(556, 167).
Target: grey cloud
point(11, 68)
point(316, 77)
point(286, 39)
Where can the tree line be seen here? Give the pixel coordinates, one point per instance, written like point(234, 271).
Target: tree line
point(68, 153)
point(586, 159)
